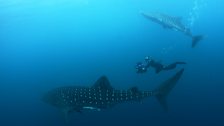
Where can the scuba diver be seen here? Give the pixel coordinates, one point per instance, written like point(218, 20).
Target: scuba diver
point(142, 67)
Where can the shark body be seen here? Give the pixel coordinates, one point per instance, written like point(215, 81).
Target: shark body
point(174, 23)
point(102, 95)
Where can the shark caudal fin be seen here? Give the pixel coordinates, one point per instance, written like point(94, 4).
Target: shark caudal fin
point(195, 40)
point(164, 89)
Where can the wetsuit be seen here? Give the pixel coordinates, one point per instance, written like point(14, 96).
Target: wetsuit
point(159, 67)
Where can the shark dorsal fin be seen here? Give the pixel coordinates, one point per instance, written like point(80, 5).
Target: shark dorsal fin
point(103, 83)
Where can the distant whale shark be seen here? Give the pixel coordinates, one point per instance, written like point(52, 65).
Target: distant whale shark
point(102, 95)
point(172, 23)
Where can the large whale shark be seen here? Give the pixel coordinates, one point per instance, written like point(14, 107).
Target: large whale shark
point(102, 95)
point(174, 23)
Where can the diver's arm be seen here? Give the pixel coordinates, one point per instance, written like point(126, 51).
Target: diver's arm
point(173, 65)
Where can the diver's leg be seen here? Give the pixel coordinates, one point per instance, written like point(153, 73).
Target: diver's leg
point(170, 67)
point(181, 63)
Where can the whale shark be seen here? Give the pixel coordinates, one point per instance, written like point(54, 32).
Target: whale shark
point(102, 95)
point(171, 22)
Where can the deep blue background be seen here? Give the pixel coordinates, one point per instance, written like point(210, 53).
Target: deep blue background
point(49, 43)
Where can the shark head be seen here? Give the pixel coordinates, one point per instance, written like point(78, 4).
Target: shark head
point(76, 97)
point(53, 97)
point(152, 16)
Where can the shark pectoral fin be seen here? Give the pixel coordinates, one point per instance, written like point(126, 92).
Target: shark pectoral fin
point(164, 89)
point(65, 113)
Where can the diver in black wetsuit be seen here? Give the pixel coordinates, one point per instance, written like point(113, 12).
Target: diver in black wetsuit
point(142, 68)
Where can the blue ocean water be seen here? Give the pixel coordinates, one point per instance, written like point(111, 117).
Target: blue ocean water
point(51, 43)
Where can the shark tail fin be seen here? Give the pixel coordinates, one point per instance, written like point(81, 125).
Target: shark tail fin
point(164, 89)
point(195, 40)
